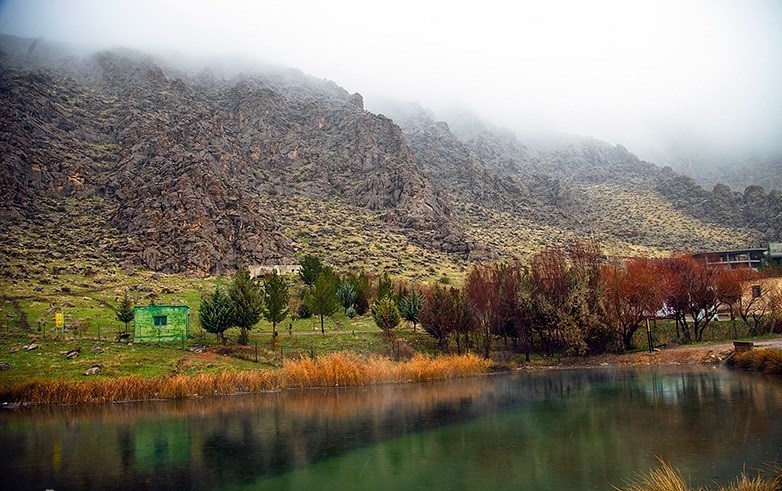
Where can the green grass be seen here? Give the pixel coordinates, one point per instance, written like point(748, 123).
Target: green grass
point(665, 333)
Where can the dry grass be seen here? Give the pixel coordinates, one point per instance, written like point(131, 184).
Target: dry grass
point(135, 388)
point(762, 359)
point(666, 478)
point(639, 216)
point(338, 369)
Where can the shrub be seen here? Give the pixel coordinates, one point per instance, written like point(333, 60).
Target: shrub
point(303, 311)
point(762, 359)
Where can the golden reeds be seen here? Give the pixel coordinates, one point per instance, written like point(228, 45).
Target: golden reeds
point(334, 370)
point(666, 478)
point(762, 359)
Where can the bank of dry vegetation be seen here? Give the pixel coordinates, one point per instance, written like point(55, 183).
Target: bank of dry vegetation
point(667, 478)
point(334, 370)
point(763, 360)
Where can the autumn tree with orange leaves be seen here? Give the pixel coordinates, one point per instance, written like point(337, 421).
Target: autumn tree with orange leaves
point(691, 296)
point(634, 293)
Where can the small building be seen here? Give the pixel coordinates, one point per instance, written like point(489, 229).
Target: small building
point(161, 323)
point(775, 252)
point(742, 258)
point(281, 269)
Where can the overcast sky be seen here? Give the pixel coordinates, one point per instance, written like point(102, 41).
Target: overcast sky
point(653, 75)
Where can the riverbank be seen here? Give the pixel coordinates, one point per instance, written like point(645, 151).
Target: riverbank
point(334, 370)
point(697, 354)
point(211, 372)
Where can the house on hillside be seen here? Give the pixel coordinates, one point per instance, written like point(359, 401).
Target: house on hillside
point(740, 258)
point(759, 297)
point(282, 269)
point(775, 252)
point(161, 323)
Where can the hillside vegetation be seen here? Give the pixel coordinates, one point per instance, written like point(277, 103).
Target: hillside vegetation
point(197, 170)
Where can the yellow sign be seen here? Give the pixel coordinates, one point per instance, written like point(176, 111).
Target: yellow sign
point(58, 320)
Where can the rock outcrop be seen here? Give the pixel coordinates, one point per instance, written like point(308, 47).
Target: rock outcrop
point(186, 159)
point(193, 169)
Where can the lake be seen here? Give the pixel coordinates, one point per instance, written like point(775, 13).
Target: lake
point(543, 430)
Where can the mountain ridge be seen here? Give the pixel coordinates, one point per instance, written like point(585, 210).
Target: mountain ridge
point(190, 164)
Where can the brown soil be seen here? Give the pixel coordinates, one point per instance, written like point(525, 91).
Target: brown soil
point(700, 354)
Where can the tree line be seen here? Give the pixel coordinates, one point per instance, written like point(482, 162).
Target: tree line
point(565, 300)
point(577, 302)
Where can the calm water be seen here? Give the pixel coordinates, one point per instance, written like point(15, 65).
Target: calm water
point(556, 430)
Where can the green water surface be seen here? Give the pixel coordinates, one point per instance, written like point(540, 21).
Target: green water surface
point(552, 430)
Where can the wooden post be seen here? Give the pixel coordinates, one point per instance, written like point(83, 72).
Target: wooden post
point(649, 340)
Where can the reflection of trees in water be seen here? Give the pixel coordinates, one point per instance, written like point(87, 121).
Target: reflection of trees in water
point(514, 424)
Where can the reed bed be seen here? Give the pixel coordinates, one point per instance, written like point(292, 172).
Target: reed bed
point(334, 370)
point(762, 359)
point(666, 478)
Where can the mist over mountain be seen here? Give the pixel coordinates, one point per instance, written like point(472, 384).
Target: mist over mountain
point(200, 169)
point(736, 172)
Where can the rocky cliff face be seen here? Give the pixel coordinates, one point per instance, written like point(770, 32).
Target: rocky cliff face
point(561, 181)
point(754, 208)
point(186, 159)
point(195, 170)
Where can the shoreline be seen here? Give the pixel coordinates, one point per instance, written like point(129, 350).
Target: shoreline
point(340, 370)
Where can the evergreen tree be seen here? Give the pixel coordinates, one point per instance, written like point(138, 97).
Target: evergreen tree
point(311, 268)
point(321, 299)
point(346, 294)
point(385, 287)
point(275, 300)
point(246, 302)
point(410, 305)
point(385, 314)
point(125, 311)
point(362, 287)
point(386, 317)
point(216, 313)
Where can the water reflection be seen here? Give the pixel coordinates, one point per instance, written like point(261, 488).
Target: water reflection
point(547, 430)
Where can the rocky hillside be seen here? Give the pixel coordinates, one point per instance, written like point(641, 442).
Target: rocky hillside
point(198, 171)
point(570, 186)
point(738, 173)
point(187, 160)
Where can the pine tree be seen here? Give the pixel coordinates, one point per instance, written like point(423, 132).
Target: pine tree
point(410, 306)
point(125, 311)
point(311, 268)
point(346, 294)
point(385, 287)
point(386, 317)
point(321, 298)
point(216, 313)
point(246, 302)
point(385, 314)
point(275, 300)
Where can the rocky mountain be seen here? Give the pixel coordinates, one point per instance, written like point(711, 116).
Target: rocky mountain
point(186, 160)
point(199, 170)
point(734, 171)
point(582, 185)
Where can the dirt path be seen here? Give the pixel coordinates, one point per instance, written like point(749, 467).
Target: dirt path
point(700, 354)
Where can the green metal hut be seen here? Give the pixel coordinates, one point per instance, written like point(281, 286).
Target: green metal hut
point(161, 323)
